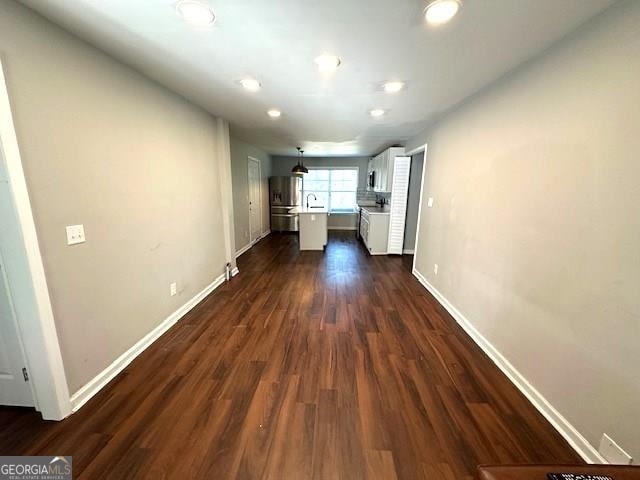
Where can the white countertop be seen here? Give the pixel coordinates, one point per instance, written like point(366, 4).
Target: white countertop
point(303, 210)
point(376, 210)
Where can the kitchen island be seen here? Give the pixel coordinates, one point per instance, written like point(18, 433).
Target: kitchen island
point(313, 227)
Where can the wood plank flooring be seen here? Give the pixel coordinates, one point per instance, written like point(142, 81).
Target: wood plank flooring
point(311, 365)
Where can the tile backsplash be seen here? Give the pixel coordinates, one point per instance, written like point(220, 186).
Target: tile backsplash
point(368, 196)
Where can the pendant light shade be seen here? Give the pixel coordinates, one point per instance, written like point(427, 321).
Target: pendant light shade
point(299, 169)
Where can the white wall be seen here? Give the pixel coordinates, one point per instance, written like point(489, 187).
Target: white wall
point(138, 165)
point(536, 222)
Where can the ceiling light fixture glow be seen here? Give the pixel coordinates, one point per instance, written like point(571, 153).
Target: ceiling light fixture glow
point(393, 87)
point(195, 13)
point(274, 113)
point(327, 63)
point(377, 112)
point(250, 84)
point(440, 12)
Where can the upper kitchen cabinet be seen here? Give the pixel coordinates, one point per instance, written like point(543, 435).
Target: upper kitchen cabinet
point(382, 167)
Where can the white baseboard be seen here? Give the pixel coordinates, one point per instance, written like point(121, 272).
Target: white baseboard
point(353, 229)
point(408, 251)
point(85, 393)
point(235, 271)
point(243, 249)
point(561, 424)
point(249, 245)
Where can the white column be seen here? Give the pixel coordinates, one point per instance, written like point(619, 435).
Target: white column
point(223, 155)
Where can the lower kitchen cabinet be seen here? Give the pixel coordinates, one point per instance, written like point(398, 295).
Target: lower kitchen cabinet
point(374, 231)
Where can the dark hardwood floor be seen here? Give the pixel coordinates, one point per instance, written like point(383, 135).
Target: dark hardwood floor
point(306, 365)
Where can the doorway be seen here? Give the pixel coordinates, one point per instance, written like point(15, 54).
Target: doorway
point(29, 348)
point(421, 151)
point(255, 200)
point(15, 389)
point(14, 386)
point(413, 203)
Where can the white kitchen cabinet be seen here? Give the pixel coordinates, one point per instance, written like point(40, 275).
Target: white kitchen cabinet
point(374, 230)
point(383, 165)
point(364, 229)
point(382, 231)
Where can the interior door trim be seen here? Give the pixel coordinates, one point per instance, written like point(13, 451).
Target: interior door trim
point(38, 331)
point(257, 160)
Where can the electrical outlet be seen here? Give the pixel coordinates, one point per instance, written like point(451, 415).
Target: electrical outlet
point(430, 202)
point(612, 452)
point(173, 288)
point(435, 268)
point(75, 234)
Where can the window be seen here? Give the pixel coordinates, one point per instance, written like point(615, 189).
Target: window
point(334, 187)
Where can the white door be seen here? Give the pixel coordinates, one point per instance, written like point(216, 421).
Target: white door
point(14, 389)
point(255, 202)
point(398, 205)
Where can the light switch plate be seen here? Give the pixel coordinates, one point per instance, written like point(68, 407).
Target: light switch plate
point(435, 268)
point(430, 202)
point(75, 234)
point(612, 452)
point(173, 289)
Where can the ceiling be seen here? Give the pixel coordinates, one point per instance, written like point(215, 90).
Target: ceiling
point(276, 42)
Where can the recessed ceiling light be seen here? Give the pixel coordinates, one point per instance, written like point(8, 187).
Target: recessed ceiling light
point(274, 113)
point(327, 63)
point(440, 12)
point(250, 84)
point(393, 87)
point(377, 112)
point(196, 13)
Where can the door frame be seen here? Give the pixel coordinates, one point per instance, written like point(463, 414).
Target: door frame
point(257, 160)
point(37, 331)
point(421, 148)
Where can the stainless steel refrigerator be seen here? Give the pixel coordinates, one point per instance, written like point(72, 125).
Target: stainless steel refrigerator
point(285, 194)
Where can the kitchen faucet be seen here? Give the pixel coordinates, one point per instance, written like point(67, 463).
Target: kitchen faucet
point(314, 197)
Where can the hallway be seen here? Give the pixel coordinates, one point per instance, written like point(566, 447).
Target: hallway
point(306, 365)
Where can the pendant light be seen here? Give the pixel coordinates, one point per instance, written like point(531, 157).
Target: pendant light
point(299, 169)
